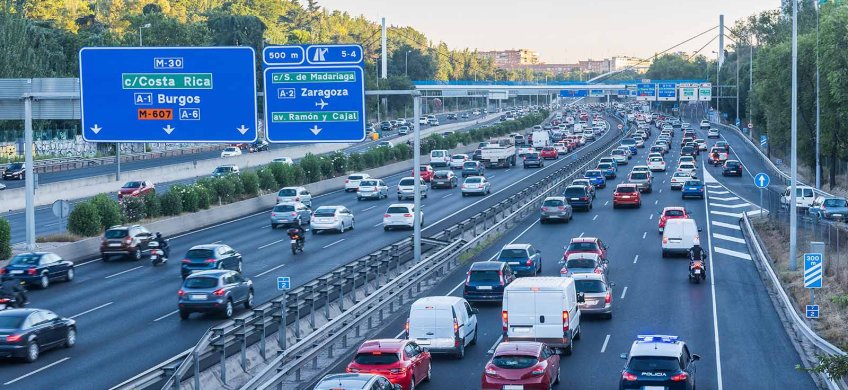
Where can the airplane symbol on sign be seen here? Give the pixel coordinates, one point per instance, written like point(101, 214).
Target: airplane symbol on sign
point(319, 54)
point(322, 104)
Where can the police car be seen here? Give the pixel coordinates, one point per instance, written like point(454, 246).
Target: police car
point(658, 362)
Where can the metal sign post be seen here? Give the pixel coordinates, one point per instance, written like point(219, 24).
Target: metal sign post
point(416, 162)
point(813, 273)
point(283, 284)
point(761, 180)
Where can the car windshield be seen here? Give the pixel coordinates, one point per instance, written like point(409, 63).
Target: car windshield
point(223, 169)
point(14, 166)
point(625, 189)
point(25, 259)
point(132, 184)
point(653, 363)
point(325, 212)
point(470, 165)
point(618, 152)
point(485, 276)
point(692, 183)
point(423, 168)
point(732, 164)
point(376, 358)
point(580, 263)
point(407, 182)
point(397, 210)
point(590, 286)
point(593, 173)
point(459, 157)
point(437, 153)
point(116, 233)
point(287, 192)
point(201, 282)
point(681, 174)
point(354, 177)
point(532, 156)
point(367, 183)
point(473, 180)
point(674, 213)
point(553, 203)
point(514, 362)
point(582, 246)
point(200, 254)
point(513, 254)
point(657, 159)
point(11, 322)
point(836, 203)
point(575, 191)
point(284, 208)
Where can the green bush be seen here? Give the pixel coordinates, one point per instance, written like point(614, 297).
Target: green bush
point(237, 186)
point(250, 181)
point(108, 209)
point(84, 220)
point(340, 165)
point(267, 182)
point(354, 162)
point(326, 168)
point(311, 165)
point(296, 175)
point(152, 206)
point(133, 209)
point(189, 196)
point(5, 239)
point(172, 204)
point(223, 190)
point(280, 173)
point(205, 195)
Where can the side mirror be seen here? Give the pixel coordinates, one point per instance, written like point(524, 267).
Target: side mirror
point(700, 229)
point(475, 310)
point(696, 357)
point(581, 297)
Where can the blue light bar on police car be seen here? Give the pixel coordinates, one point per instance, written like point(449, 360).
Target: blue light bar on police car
point(657, 338)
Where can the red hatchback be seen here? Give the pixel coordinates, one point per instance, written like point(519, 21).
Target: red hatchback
point(549, 153)
point(427, 173)
point(586, 245)
point(521, 364)
point(403, 362)
point(136, 188)
point(626, 195)
point(671, 213)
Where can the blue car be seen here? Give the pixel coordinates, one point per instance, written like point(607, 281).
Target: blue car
point(610, 170)
point(38, 268)
point(693, 189)
point(630, 144)
point(596, 177)
point(522, 258)
point(658, 362)
point(829, 208)
point(487, 280)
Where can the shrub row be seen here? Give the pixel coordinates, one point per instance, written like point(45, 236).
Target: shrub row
point(93, 216)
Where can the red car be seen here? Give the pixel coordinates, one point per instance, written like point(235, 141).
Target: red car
point(586, 245)
point(521, 364)
point(401, 361)
point(549, 153)
point(671, 213)
point(626, 195)
point(427, 173)
point(136, 188)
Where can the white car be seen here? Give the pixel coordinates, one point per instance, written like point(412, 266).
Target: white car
point(406, 188)
point(283, 160)
point(457, 160)
point(337, 218)
point(688, 168)
point(561, 148)
point(642, 168)
point(294, 194)
point(400, 215)
point(701, 144)
point(352, 181)
point(678, 178)
point(713, 133)
point(705, 124)
point(686, 159)
point(422, 120)
point(231, 151)
point(619, 156)
point(656, 164)
point(476, 185)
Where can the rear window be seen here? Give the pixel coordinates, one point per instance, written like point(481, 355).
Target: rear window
point(287, 192)
point(26, 259)
point(470, 165)
point(580, 263)
point(618, 152)
point(589, 286)
point(376, 358)
point(836, 203)
point(366, 183)
point(692, 183)
point(625, 189)
point(604, 166)
point(473, 180)
point(553, 203)
point(441, 175)
point(485, 276)
point(733, 164)
point(397, 210)
point(639, 175)
point(674, 213)
point(593, 173)
point(116, 233)
point(283, 207)
point(532, 156)
point(458, 157)
point(325, 212)
point(200, 254)
point(11, 322)
point(514, 362)
point(437, 153)
point(575, 191)
point(513, 254)
point(582, 246)
point(198, 282)
point(407, 182)
point(354, 177)
point(653, 363)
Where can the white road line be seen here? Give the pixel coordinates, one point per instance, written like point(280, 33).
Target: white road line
point(595, 217)
point(91, 310)
point(656, 201)
point(217, 242)
point(606, 203)
point(166, 316)
point(713, 293)
point(736, 254)
point(728, 238)
point(645, 234)
point(122, 272)
point(734, 215)
point(269, 244)
point(507, 170)
point(332, 243)
point(728, 199)
point(726, 225)
point(446, 196)
point(606, 341)
point(731, 206)
point(490, 176)
point(36, 371)
point(715, 186)
point(88, 262)
point(720, 192)
point(661, 190)
point(495, 345)
point(623, 292)
point(635, 259)
point(379, 224)
point(581, 234)
point(651, 216)
point(369, 208)
point(272, 269)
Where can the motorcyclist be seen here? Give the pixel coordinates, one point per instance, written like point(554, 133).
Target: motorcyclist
point(714, 157)
point(696, 253)
point(163, 244)
point(297, 232)
point(12, 288)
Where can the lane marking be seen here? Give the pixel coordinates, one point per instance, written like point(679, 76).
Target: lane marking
point(272, 269)
point(379, 224)
point(635, 259)
point(736, 254)
point(269, 244)
point(623, 293)
point(606, 203)
point(725, 199)
point(606, 341)
point(645, 234)
point(122, 272)
point(720, 192)
point(656, 201)
point(88, 262)
point(166, 315)
point(713, 290)
point(730, 206)
point(447, 196)
point(91, 310)
point(728, 238)
point(369, 208)
point(661, 190)
point(713, 185)
point(581, 234)
point(734, 215)
point(217, 242)
point(726, 225)
point(495, 345)
point(36, 371)
point(595, 217)
point(332, 243)
point(650, 216)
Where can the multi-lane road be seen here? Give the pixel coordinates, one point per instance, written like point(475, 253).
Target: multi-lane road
point(126, 311)
point(729, 321)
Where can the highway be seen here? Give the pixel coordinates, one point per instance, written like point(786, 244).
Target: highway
point(47, 223)
point(126, 311)
point(729, 320)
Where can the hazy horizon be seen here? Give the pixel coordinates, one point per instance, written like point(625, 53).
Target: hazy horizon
point(562, 31)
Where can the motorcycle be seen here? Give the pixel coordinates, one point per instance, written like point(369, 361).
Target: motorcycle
point(156, 253)
point(697, 271)
point(296, 244)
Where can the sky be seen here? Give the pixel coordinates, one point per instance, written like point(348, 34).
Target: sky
point(562, 31)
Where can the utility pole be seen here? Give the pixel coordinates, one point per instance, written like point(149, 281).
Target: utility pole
point(384, 62)
point(793, 207)
point(738, 122)
point(818, 107)
point(719, 60)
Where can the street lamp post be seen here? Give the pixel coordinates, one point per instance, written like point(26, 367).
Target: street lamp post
point(140, 41)
point(818, 107)
point(793, 207)
point(406, 64)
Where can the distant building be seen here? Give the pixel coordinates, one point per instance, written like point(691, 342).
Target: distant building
point(636, 64)
point(526, 59)
point(511, 58)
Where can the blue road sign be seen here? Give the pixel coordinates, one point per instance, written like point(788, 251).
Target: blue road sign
point(738, 122)
point(813, 270)
point(812, 311)
point(666, 91)
point(573, 93)
point(283, 282)
point(596, 92)
point(763, 140)
point(314, 93)
point(646, 91)
point(761, 180)
point(168, 94)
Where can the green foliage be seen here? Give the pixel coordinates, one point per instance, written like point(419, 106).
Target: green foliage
point(326, 168)
point(172, 204)
point(834, 366)
point(237, 186)
point(267, 182)
point(840, 300)
point(250, 182)
point(84, 220)
point(311, 165)
point(133, 209)
point(223, 189)
point(5, 239)
point(205, 196)
point(108, 209)
point(152, 206)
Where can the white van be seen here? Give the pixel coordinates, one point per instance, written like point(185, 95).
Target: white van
point(439, 158)
point(679, 236)
point(442, 324)
point(804, 196)
point(543, 309)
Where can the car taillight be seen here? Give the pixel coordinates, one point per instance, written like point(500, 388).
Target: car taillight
point(406, 328)
point(347, 181)
point(128, 240)
point(273, 214)
point(455, 326)
point(219, 292)
point(501, 277)
point(679, 377)
point(608, 298)
point(352, 370)
point(297, 199)
point(665, 240)
point(13, 338)
point(598, 271)
point(584, 198)
point(181, 292)
point(408, 215)
point(628, 376)
point(468, 278)
point(294, 214)
point(31, 271)
point(3, 271)
point(504, 320)
point(564, 321)
point(539, 369)
point(491, 372)
point(398, 371)
point(528, 262)
point(563, 271)
point(544, 209)
point(386, 215)
point(209, 261)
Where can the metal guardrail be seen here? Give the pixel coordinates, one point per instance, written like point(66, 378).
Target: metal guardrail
point(234, 336)
point(67, 163)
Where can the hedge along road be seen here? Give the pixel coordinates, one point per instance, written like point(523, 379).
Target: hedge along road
point(47, 223)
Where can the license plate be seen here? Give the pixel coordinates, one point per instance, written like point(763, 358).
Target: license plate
point(153, 257)
point(575, 198)
point(836, 215)
point(513, 263)
point(513, 387)
point(484, 287)
point(197, 297)
point(2, 307)
point(17, 272)
point(114, 245)
point(517, 329)
point(592, 302)
point(698, 271)
point(423, 341)
point(653, 388)
point(293, 241)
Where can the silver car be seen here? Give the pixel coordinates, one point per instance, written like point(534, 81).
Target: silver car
point(290, 213)
point(337, 218)
point(476, 185)
point(406, 188)
point(642, 180)
point(556, 208)
point(597, 293)
point(372, 189)
point(444, 179)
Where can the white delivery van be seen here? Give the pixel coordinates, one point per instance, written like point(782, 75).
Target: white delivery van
point(541, 139)
point(439, 158)
point(442, 324)
point(543, 309)
point(679, 236)
point(804, 196)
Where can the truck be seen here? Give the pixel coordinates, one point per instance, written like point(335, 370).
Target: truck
point(541, 138)
point(498, 155)
point(578, 129)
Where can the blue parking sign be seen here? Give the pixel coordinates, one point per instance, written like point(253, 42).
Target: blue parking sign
point(812, 311)
point(283, 282)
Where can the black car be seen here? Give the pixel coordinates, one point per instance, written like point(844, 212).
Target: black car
point(39, 268)
point(578, 196)
point(385, 126)
point(486, 281)
point(451, 117)
point(25, 333)
point(658, 361)
point(688, 151)
point(215, 291)
point(14, 171)
point(533, 160)
point(259, 146)
point(477, 155)
point(732, 168)
point(209, 257)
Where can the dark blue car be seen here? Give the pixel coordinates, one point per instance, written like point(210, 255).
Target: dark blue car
point(610, 170)
point(596, 177)
point(208, 257)
point(659, 362)
point(578, 197)
point(523, 259)
point(39, 268)
point(486, 281)
point(692, 189)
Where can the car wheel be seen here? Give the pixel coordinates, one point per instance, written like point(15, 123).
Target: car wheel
point(248, 303)
point(184, 315)
point(314, 231)
point(228, 310)
point(578, 335)
point(385, 228)
point(556, 380)
point(32, 352)
point(399, 198)
point(639, 205)
point(359, 198)
point(105, 258)
point(137, 255)
point(609, 316)
point(69, 276)
point(460, 353)
point(70, 338)
point(429, 373)
point(273, 226)
point(44, 281)
point(412, 383)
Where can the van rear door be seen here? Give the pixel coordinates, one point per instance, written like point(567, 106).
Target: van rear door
point(535, 314)
point(549, 307)
point(430, 325)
